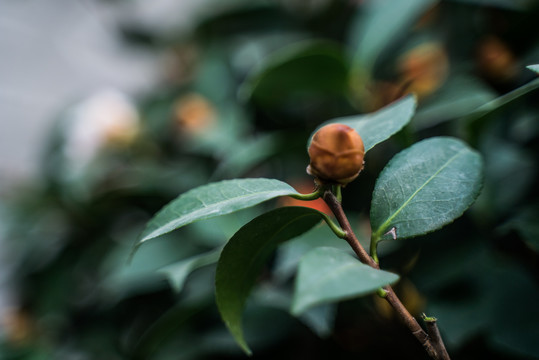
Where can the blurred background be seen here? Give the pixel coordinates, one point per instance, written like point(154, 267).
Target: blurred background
point(112, 108)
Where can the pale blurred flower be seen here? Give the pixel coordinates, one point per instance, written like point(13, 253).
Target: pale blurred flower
point(424, 68)
point(496, 60)
point(194, 114)
point(107, 119)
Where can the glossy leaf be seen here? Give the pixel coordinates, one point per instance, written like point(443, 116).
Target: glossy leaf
point(382, 124)
point(213, 200)
point(246, 253)
point(425, 187)
point(328, 275)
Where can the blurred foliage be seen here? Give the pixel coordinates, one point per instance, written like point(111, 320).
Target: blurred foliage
point(240, 95)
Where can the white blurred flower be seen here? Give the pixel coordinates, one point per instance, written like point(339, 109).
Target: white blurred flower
point(108, 118)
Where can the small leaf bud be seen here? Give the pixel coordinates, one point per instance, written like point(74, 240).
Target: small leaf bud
point(336, 153)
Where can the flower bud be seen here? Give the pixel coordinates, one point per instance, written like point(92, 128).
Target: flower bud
point(336, 153)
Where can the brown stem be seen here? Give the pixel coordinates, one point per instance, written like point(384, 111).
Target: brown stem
point(433, 349)
point(434, 333)
point(351, 238)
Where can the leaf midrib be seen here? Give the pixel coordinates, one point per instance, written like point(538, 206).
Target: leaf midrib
point(195, 213)
point(378, 233)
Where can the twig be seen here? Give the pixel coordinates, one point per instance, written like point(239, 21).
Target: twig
point(351, 238)
point(434, 333)
point(433, 346)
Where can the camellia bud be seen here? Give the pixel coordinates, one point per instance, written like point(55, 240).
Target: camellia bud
point(336, 153)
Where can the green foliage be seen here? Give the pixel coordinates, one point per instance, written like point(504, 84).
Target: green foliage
point(213, 200)
point(288, 75)
point(328, 275)
point(501, 101)
point(178, 272)
point(246, 253)
point(381, 125)
point(442, 84)
point(425, 187)
point(534, 68)
point(380, 23)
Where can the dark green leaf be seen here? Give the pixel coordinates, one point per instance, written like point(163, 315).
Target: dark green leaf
point(213, 200)
point(502, 100)
point(382, 124)
point(328, 275)
point(245, 255)
point(381, 22)
point(526, 224)
point(503, 190)
point(503, 4)
point(301, 69)
point(141, 274)
point(246, 154)
point(177, 273)
point(319, 319)
point(459, 96)
point(290, 254)
point(425, 187)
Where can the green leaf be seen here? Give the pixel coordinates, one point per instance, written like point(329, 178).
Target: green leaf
point(246, 253)
point(213, 200)
point(319, 319)
point(503, 191)
point(503, 100)
point(299, 70)
point(425, 187)
point(526, 224)
point(247, 153)
point(534, 68)
point(328, 275)
point(460, 96)
point(289, 254)
point(177, 273)
point(519, 5)
point(379, 23)
point(382, 124)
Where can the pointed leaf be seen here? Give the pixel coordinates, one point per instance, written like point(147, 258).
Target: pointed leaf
point(177, 272)
point(320, 319)
point(534, 68)
point(459, 96)
point(245, 255)
point(213, 200)
point(425, 187)
point(502, 101)
point(382, 124)
point(328, 275)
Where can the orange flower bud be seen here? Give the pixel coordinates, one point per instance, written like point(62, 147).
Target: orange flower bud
point(336, 153)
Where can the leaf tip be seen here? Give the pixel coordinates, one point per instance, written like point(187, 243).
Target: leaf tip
point(237, 333)
point(534, 68)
